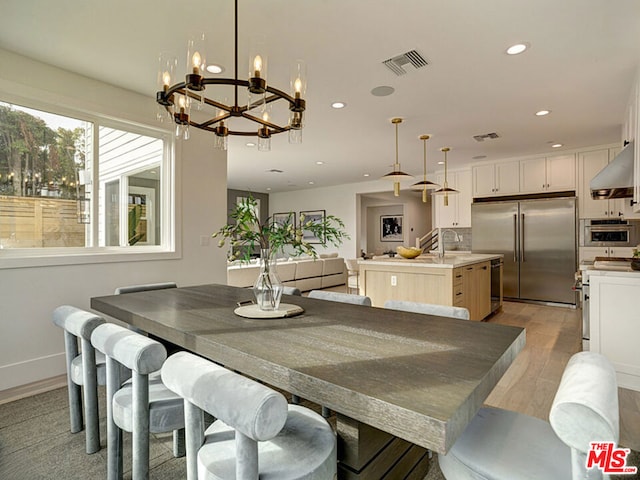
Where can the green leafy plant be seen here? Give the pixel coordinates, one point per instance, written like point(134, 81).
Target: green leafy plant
point(135, 215)
point(247, 230)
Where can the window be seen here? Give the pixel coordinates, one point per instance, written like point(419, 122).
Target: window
point(68, 183)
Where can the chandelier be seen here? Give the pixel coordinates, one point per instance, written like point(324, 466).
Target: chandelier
point(179, 98)
point(396, 175)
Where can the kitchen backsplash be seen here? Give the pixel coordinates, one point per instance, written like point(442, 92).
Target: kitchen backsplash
point(464, 236)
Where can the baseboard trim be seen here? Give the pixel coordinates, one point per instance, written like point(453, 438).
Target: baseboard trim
point(41, 386)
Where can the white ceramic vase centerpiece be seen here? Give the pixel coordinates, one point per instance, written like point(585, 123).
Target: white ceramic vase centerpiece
point(247, 235)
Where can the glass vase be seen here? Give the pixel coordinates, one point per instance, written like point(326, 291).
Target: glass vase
point(268, 287)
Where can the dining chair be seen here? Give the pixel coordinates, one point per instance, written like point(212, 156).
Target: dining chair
point(256, 433)
point(353, 275)
point(500, 444)
point(85, 370)
point(340, 297)
point(428, 308)
point(291, 291)
point(142, 406)
point(145, 287)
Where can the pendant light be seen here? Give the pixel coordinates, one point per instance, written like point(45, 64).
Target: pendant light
point(445, 190)
point(397, 174)
point(425, 184)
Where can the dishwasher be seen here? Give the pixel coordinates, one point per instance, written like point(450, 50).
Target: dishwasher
point(496, 291)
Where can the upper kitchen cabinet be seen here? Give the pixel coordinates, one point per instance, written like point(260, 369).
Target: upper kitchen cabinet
point(494, 179)
point(589, 164)
point(458, 213)
point(548, 174)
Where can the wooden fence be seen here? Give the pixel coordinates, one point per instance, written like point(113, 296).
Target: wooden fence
point(28, 222)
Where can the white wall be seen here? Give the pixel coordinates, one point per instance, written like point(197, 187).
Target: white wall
point(31, 348)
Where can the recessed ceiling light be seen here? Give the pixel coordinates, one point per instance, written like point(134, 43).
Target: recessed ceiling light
point(365, 175)
point(517, 48)
point(542, 113)
point(319, 163)
point(213, 68)
point(312, 183)
point(251, 144)
point(440, 163)
point(556, 145)
point(382, 91)
point(338, 105)
point(268, 189)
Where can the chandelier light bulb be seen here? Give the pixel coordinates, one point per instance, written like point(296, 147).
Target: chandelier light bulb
point(166, 79)
point(196, 61)
point(297, 86)
point(257, 65)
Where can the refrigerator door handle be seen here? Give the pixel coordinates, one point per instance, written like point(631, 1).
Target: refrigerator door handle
point(522, 237)
point(515, 237)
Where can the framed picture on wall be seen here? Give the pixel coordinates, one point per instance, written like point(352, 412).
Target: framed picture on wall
point(391, 228)
point(284, 218)
point(313, 216)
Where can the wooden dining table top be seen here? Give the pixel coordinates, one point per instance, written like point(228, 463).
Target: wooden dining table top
point(419, 377)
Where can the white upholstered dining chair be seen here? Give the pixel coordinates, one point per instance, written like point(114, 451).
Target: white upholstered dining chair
point(503, 445)
point(256, 434)
point(353, 275)
point(85, 370)
point(144, 405)
point(428, 308)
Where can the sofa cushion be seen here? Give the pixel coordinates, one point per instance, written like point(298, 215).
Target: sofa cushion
point(332, 266)
point(309, 269)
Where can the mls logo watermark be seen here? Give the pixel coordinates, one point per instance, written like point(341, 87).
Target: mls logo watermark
point(608, 458)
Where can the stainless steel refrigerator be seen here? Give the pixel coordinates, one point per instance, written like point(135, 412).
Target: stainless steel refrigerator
point(538, 240)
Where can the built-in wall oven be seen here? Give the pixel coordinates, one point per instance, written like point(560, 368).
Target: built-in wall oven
point(614, 232)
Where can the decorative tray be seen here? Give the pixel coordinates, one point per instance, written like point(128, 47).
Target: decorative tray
point(253, 311)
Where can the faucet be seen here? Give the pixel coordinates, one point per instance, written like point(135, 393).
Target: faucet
point(441, 234)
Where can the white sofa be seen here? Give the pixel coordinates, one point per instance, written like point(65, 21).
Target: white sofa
point(304, 273)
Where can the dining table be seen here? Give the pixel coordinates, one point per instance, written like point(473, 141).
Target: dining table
point(402, 384)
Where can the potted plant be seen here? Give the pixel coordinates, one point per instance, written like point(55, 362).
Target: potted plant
point(246, 233)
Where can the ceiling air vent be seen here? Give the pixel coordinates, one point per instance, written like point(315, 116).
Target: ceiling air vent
point(412, 57)
point(481, 138)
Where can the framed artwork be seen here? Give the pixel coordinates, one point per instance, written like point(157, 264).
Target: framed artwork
point(315, 216)
point(391, 228)
point(284, 218)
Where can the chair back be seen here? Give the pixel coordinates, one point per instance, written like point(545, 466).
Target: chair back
point(145, 287)
point(352, 265)
point(428, 308)
point(291, 291)
point(256, 412)
point(585, 409)
point(340, 297)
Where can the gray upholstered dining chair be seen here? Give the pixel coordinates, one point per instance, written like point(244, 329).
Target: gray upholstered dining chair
point(340, 297)
point(499, 444)
point(85, 369)
point(145, 287)
point(144, 405)
point(256, 433)
point(291, 291)
point(428, 308)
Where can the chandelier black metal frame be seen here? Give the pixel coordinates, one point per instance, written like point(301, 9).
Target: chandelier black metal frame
point(195, 82)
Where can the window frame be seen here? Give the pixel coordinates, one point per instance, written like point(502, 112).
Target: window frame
point(169, 181)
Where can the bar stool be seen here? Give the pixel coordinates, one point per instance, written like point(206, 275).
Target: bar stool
point(141, 406)
point(86, 370)
point(256, 435)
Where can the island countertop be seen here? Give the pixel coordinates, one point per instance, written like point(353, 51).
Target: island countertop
point(450, 260)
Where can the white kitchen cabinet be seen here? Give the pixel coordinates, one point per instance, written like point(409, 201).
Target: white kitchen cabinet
point(495, 179)
point(614, 328)
point(458, 213)
point(548, 174)
point(590, 253)
point(589, 165)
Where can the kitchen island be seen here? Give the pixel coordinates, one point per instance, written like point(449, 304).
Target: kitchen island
point(461, 280)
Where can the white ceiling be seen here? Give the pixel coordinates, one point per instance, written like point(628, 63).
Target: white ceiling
point(581, 66)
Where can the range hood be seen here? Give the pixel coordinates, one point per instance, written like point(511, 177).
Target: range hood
point(616, 179)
